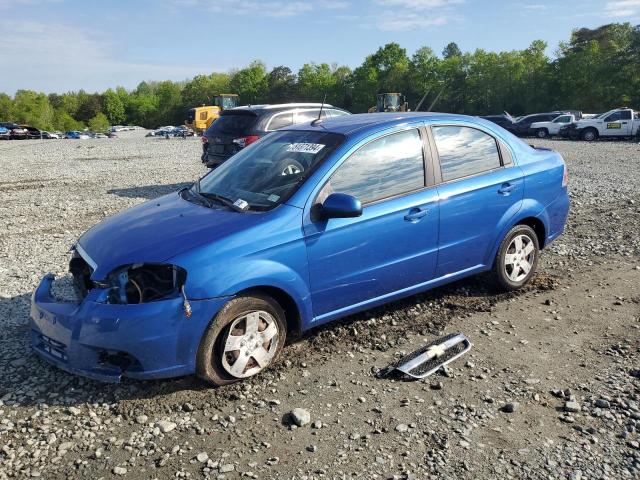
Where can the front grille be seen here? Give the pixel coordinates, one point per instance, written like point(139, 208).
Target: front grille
point(53, 347)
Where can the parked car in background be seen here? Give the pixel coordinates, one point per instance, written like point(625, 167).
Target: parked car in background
point(16, 132)
point(241, 126)
point(552, 128)
point(49, 135)
point(522, 127)
point(5, 133)
point(617, 123)
point(76, 135)
point(505, 120)
point(32, 133)
point(312, 223)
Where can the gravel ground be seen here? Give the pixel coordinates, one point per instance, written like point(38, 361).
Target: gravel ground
point(551, 388)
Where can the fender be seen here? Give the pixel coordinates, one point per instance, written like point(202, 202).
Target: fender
point(529, 207)
point(266, 273)
point(226, 279)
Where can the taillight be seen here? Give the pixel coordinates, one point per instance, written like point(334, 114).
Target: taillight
point(245, 141)
point(565, 176)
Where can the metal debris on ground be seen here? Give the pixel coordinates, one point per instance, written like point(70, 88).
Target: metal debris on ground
point(429, 358)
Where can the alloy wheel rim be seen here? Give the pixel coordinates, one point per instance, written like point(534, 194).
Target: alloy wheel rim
point(291, 170)
point(250, 344)
point(519, 259)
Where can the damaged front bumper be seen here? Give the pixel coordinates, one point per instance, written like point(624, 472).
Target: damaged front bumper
point(108, 341)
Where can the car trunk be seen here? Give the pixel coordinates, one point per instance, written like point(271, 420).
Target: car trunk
point(232, 125)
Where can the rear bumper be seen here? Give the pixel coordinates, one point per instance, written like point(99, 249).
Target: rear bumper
point(107, 342)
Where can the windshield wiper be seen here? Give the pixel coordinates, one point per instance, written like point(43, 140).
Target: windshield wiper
point(225, 201)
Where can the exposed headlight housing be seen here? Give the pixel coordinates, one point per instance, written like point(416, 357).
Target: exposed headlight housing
point(144, 283)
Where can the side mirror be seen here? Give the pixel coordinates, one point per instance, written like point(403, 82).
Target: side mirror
point(341, 205)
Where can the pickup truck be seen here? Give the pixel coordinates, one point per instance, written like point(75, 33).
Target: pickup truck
point(551, 128)
point(620, 122)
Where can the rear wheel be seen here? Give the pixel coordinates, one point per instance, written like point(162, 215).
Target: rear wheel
point(246, 337)
point(589, 135)
point(517, 258)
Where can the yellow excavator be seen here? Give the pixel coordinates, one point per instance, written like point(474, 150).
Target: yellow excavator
point(390, 102)
point(199, 118)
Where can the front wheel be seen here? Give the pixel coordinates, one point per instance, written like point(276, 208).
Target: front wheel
point(246, 337)
point(517, 258)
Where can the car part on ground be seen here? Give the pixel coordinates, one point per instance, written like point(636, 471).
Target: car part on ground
point(430, 358)
point(240, 127)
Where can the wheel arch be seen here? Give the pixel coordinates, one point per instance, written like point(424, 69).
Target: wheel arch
point(590, 128)
point(531, 213)
point(293, 316)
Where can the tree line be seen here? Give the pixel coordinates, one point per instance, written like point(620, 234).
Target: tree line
point(595, 70)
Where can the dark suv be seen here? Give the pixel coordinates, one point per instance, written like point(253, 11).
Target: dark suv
point(505, 120)
point(241, 126)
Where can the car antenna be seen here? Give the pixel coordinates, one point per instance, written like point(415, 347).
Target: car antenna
point(319, 119)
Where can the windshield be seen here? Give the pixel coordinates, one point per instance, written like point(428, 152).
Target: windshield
point(266, 173)
point(229, 102)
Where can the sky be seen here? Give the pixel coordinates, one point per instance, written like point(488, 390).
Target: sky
point(66, 45)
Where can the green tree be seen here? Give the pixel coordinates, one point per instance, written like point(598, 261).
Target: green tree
point(6, 107)
point(451, 50)
point(281, 85)
point(250, 83)
point(32, 108)
point(316, 80)
point(99, 123)
point(113, 107)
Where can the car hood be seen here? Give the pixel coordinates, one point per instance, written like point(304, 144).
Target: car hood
point(157, 230)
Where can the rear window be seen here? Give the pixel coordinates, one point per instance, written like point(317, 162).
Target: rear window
point(232, 124)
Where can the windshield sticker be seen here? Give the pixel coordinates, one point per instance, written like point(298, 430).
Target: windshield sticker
point(241, 204)
point(305, 147)
point(273, 198)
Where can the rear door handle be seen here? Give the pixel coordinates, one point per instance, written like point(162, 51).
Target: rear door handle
point(415, 214)
point(506, 189)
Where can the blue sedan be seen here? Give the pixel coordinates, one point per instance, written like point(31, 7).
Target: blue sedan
point(307, 225)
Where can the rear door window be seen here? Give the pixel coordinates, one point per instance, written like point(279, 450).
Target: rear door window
point(337, 113)
point(386, 167)
point(307, 116)
point(280, 120)
point(464, 151)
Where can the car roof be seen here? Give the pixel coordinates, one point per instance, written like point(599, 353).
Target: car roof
point(279, 106)
point(348, 124)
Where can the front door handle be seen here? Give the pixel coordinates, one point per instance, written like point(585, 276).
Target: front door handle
point(506, 189)
point(415, 214)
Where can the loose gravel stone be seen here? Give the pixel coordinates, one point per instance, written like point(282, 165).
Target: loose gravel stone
point(300, 417)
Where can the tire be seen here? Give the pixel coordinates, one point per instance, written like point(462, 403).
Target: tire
point(589, 135)
point(519, 251)
point(542, 133)
point(219, 362)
